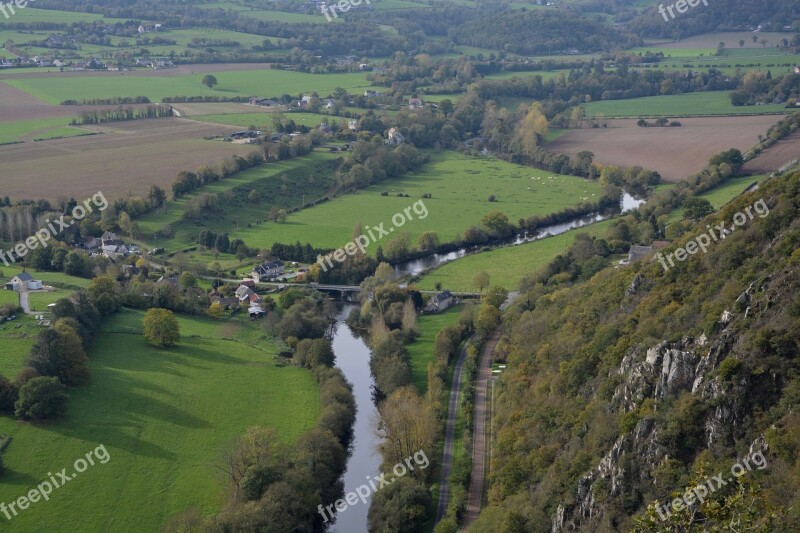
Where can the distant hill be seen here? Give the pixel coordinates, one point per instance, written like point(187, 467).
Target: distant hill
point(719, 15)
point(539, 32)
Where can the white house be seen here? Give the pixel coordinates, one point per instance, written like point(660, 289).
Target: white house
point(441, 301)
point(24, 282)
point(395, 137)
point(268, 270)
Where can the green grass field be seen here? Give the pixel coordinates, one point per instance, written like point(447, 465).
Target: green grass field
point(17, 337)
point(460, 187)
point(38, 129)
point(682, 105)
point(31, 14)
point(265, 82)
point(724, 193)
point(421, 350)
point(265, 120)
point(165, 416)
point(506, 266)
point(281, 184)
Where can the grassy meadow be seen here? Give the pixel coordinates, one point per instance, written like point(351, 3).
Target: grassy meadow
point(156, 85)
point(164, 415)
point(506, 266)
point(421, 350)
point(460, 187)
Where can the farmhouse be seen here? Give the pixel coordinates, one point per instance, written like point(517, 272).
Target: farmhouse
point(441, 301)
point(415, 103)
point(395, 138)
point(268, 270)
point(246, 294)
point(24, 282)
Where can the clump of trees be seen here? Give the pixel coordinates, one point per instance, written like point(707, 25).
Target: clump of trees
point(58, 359)
point(160, 327)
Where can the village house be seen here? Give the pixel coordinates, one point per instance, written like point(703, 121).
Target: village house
point(441, 301)
point(246, 294)
point(415, 103)
point(24, 282)
point(226, 302)
point(268, 270)
point(395, 137)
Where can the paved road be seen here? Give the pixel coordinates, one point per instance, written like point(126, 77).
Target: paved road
point(479, 443)
point(449, 436)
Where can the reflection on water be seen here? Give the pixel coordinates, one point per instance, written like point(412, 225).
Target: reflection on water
point(416, 267)
point(352, 357)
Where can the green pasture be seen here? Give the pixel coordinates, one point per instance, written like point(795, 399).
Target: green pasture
point(43, 128)
point(166, 418)
point(421, 350)
point(17, 337)
point(265, 120)
point(730, 189)
point(156, 86)
point(281, 184)
point(506, 266)
point(460, 187)
point(31, 14)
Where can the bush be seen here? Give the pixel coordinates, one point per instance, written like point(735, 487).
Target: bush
point(41, 398)
point(492, 198)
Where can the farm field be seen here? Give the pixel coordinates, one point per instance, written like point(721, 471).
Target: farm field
point(31, 14)
point(17, 337)
point(709, 41)
point(421, 350)
point(281, 184)
point(460, 187)
point(506, 266)
point(725, 192)
point(125, 157)
point(263, 82)
point(265, 119)
point(28, 130)
point(625, 143)
point(775, 156)
point(681, 105)
point(165, 417)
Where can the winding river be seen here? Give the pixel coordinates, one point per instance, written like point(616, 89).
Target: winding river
point(352, 357)
point(353, 354)
point(417, 266)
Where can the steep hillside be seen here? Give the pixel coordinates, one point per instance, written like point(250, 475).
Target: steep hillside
point(642, 382)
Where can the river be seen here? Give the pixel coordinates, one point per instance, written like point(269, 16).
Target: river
point(415, 267)
point(352, 357)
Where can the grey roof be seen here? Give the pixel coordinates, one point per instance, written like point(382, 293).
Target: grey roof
point(24, 276)
point(442, 296)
